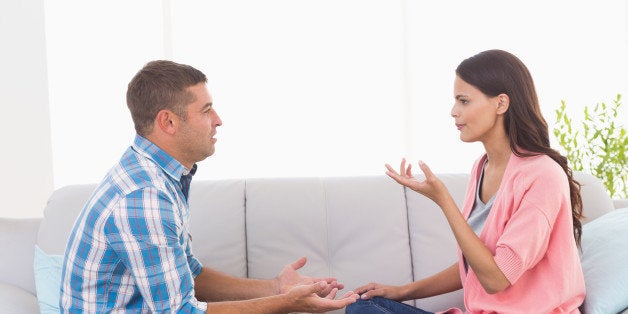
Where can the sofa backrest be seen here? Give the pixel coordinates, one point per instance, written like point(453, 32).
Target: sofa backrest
point(351, 228)
point(217, 224)
point(217, 242)
point(358, 229)
point(595, 200)
point(433, 244)
point(60, 213)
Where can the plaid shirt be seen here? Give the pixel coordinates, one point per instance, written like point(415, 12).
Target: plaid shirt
point(130, 248)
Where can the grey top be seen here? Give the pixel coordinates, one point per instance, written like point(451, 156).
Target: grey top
point(479, 212)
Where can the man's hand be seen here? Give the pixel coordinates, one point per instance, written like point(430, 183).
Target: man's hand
point(289, 277)
point(307, 298)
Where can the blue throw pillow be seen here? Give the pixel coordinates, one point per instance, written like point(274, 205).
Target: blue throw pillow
point(604, 259)
point(47, 280)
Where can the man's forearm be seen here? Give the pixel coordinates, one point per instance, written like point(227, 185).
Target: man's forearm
point(212, 286)
point(272, 304)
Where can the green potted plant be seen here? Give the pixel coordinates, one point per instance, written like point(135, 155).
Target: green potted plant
point(596, 145)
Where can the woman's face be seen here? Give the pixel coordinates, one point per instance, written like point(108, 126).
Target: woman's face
point(477, 116)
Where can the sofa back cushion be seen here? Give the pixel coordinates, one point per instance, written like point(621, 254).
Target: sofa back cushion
point(351, 228)
point(433, 245)
point(64, 205)
point(217, 225)
point(217, 222)
point(595, 200)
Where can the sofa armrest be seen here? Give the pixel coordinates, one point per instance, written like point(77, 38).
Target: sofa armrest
point(620, 203)
point(15, 300)
point(17, 246)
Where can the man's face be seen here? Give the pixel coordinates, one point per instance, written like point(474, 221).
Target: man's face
point(197, 131)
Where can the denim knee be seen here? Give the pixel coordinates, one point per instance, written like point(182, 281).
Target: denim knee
point(370, 306)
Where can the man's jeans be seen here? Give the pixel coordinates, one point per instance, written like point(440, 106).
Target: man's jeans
point(378, 305)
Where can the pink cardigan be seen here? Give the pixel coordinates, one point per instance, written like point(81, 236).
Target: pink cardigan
point(530, 233)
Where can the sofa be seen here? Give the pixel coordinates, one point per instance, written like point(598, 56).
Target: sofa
point(359, 229)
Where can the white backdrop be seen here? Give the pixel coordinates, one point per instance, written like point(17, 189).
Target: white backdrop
point(317, 87)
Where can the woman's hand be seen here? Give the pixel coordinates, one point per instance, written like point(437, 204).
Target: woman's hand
point(372, 290)
point(431, 187)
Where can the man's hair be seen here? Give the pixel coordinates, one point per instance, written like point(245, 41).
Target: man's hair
point(160, 85)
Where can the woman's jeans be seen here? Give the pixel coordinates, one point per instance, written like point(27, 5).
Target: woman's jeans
point(378, 305)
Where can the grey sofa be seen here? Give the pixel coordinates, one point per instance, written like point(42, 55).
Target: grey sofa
point(358, 229)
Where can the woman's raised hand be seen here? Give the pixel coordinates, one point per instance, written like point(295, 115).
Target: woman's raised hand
point(431, 187)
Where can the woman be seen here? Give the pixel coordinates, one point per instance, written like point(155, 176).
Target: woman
point(519, 228)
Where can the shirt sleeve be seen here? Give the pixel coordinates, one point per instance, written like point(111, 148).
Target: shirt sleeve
point(527, 233)
point(195, 264)
point(147, 235)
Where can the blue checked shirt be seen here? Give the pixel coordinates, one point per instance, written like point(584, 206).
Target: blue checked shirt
point(130, 250)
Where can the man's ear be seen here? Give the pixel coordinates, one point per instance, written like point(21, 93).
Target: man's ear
point(167, 121)
point(503, 102)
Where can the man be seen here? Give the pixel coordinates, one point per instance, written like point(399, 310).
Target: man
point(130, 248)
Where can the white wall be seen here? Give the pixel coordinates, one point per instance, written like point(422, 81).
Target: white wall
point(575, 50)
point(93, 53)
point(26, 157)
point(304, 88)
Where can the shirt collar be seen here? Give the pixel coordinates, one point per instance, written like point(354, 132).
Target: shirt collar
point(163, 160)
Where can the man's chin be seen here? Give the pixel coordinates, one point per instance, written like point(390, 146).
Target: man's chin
point(205, 155)
point(210, 152)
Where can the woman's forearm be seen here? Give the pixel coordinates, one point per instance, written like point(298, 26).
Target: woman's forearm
point(477, 255)
point(442, 282)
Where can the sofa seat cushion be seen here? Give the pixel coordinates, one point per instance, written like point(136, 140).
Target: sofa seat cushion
point(16, 300)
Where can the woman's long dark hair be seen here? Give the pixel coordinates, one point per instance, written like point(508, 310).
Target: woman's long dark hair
point(496, 72)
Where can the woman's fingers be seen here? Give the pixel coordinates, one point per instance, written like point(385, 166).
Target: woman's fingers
point(365, 288)
point(426, 170)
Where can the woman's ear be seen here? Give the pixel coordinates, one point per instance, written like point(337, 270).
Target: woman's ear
point(503, 102)
point(167, 121)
